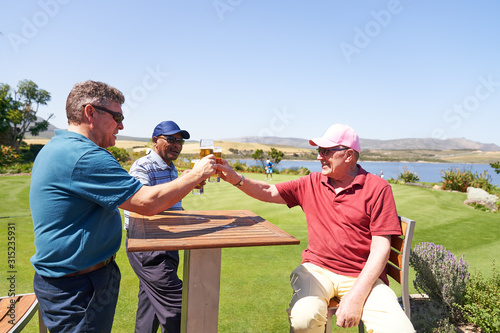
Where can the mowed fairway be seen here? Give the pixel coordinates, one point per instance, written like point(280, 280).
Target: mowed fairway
point(255, 289)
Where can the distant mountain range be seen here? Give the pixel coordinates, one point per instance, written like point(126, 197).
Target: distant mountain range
point(49, 133)
point(409, 143)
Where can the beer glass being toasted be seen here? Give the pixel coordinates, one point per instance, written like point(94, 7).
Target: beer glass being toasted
point(198, 188)
point(218, 158)
point(206, 147)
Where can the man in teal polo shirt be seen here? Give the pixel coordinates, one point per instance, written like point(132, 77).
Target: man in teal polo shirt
point(77, 187)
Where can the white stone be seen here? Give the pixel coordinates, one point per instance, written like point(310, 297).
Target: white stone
point(480, 195)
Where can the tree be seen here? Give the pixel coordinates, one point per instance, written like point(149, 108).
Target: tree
point(496, 166)
point(259, 156)
point(275, 155)
point(5, 103)
point(18, 113)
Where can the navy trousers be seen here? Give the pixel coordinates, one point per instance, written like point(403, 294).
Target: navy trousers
point(160, 291)
point(83, 303)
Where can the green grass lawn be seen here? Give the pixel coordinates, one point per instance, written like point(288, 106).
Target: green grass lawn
point(255, 289)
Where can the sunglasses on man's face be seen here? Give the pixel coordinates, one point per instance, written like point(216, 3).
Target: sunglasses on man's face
point(117, 116)
point(326, 151)
point(172, 139)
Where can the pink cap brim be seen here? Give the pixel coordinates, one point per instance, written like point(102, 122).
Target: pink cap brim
point(325, 143)
point(322, 142)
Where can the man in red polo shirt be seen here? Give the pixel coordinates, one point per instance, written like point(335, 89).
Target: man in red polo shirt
point(351, 216)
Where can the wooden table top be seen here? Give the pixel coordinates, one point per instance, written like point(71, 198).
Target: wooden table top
point(180, 230)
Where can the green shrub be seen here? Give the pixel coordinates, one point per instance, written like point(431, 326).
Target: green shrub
point(408, 177)
point(442, 276)
point(183, 164)
point(482, 302)
point(255, 169)
point(456, 180)
point(9, 156)
point(16, 168)
point(478, 205)
point(444, 326)
point(21, 161)
point(138, 154)
point(28, 152)
point(238, 166)
point(120, 154)
point(242, 167)
point(482, 181)
point(296, 171)
point(35, 148)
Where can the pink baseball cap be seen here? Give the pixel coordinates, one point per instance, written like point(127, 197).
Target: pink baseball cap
point(338, 135)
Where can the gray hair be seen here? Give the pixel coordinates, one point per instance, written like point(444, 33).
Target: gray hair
point(90, 92)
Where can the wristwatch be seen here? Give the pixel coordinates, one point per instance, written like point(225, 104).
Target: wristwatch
point(241, 182)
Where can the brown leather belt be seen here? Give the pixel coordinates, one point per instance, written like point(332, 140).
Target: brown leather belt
point(93, 268)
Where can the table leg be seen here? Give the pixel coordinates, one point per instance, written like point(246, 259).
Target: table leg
point(200, 291)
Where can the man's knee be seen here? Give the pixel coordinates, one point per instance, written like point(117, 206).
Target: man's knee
point(308, 314)
point(390, 322)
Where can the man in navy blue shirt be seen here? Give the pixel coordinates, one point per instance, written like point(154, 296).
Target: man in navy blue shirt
point(160, 289)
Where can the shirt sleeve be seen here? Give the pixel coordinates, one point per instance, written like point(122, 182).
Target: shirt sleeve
point(384, 216)
point(140, 173)
point(99, 177)
point(291, 191)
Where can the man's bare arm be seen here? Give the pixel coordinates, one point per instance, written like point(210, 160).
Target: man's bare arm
point(259, 190)
point(351, 307)
point(151, 200)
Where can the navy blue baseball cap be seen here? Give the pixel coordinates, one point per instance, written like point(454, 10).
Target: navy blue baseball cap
point(168, 128)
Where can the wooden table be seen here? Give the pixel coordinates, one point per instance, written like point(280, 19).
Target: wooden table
point(202, 235)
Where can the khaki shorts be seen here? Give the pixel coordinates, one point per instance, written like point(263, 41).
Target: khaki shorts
point(314, 287)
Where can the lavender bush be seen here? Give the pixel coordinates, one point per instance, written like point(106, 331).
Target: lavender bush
point(440, 275)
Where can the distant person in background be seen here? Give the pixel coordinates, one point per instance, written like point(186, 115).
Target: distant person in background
point(160, 289)
point(351, 216)
point(76, 189)
point(269, 169)
point(381, 174)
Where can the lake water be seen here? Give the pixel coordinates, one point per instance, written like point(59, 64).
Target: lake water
point(428, 172)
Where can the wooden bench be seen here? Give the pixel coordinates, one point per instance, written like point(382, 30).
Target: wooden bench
point(17, 311)
point(398, 268)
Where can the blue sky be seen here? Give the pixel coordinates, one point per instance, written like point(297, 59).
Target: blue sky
point(231, 68)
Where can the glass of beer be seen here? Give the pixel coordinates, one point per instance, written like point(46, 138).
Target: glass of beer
point(199, 188)
point(206, 147)
point(218, 158)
